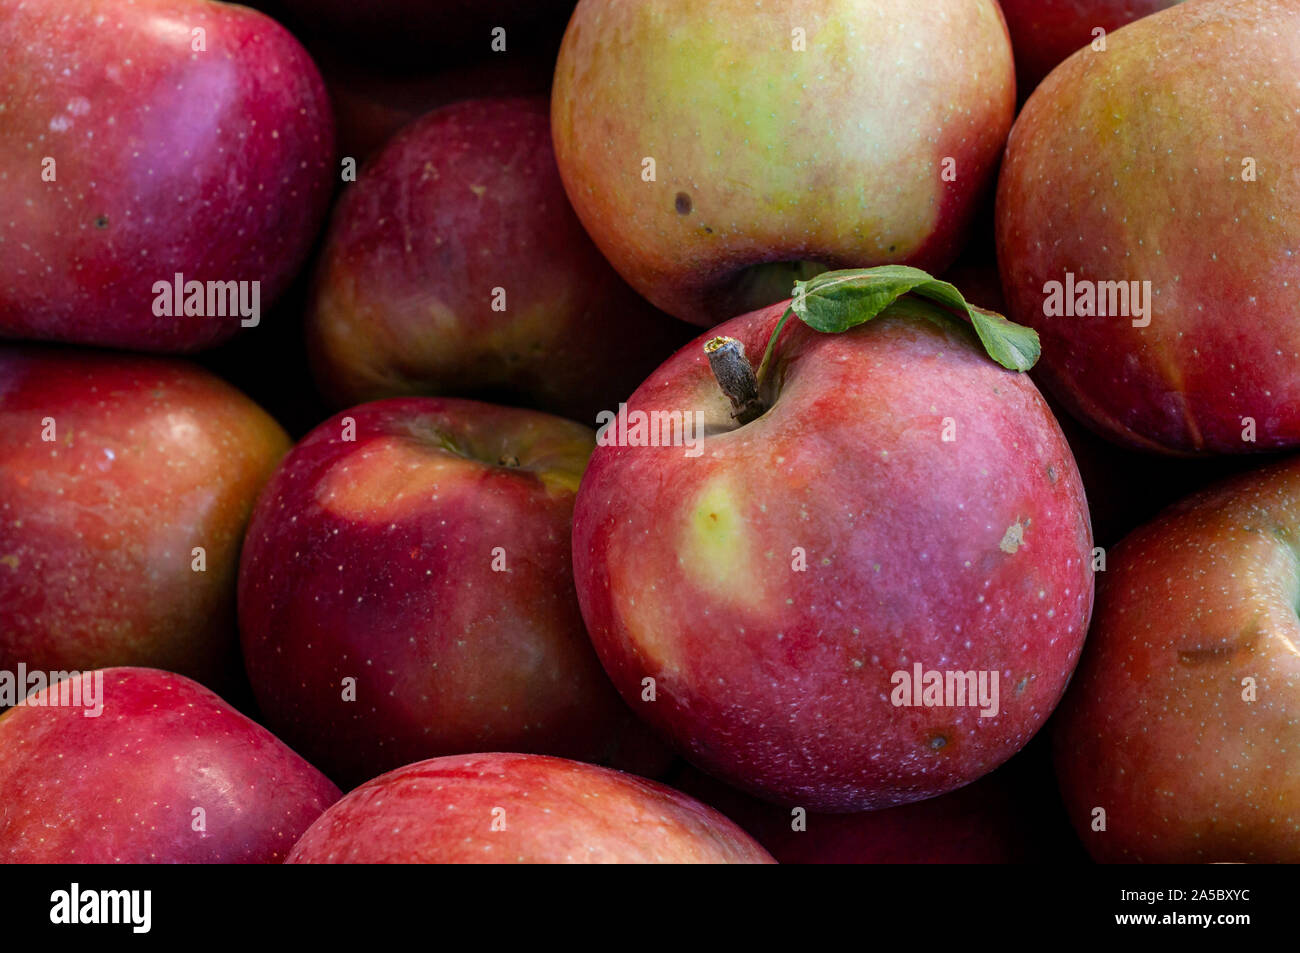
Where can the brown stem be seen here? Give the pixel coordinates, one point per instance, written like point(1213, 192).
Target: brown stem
point(736, 377)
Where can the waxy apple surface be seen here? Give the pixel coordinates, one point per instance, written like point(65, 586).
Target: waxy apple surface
point(513, 808)
point(845, 133)
point(113, 470)
point(427, 560)
point(1181, 724)
point(166, 773)
point(455, 266)
point(1132, 166)
point(129, 155)
point(771, 586)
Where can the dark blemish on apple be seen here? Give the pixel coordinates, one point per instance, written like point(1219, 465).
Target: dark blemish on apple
point(101, 222)
point(937, 742)
point(1222, 652)
point(892, 247)
point(683, 204)
point(1051, 473)
point(1020, 685)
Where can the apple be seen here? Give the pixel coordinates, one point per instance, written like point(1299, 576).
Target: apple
point(901, 502)
point(147, 767)
point(715, 151)
point(125, 486)
point(1046, 32)
point(520, 808)
point(1131, 186)
point(406, 591)
point(1173, 743)
point(455, 266)
point(148, 140)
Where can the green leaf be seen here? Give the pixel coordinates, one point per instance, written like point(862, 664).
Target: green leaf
point(835, 301)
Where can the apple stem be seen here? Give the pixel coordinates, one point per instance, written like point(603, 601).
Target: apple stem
point(735, 376)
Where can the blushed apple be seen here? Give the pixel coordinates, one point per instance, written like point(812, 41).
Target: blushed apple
point(1175, 741)
point(1045, 32)
point(125, 486)
point(165, 772)
point(454, 266)
point(147, 140)
point(716, 150)
point(514, 808)
point(901, 502)
point(406, 591)
point(1146, 229)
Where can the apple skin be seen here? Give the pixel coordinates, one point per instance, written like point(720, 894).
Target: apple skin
point(442, 811)
point(1154, 728)
point(151, 458)
point(217, 165)
point(766, 155)
point(372, 559)
point(1045, 32)
point(1080, 193)
point(122, 787)
point(465, 200)
point(778, 681)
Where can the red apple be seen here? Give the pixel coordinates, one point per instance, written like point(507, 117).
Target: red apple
point(409, 592)
point(902, 502)
point(1045, 32)
point(715, 150)
point(1132, 182)
point(115, 471)
point(147, 140)
point(1175, 741)
point(454, 265)
point(518, 808)
point(163, 772)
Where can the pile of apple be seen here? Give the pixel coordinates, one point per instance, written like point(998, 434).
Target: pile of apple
point(455, 238)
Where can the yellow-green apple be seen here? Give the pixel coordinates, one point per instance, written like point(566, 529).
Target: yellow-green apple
point(902, 503)
point(1175, 742)
point(148, 147)
point(1146, 228)
point(716, 150)
point(1046, 32)
point(406, 591)
point(125, 486)
point(519, 808)
point(136, 766)
point(454, 265)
